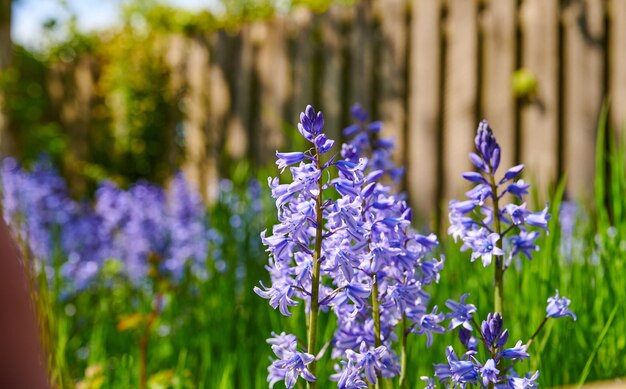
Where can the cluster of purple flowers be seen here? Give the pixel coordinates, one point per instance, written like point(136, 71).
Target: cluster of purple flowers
point(487, 227)
point(495, 233)
point(141, 226)
point(365, 141)
point(356, 256)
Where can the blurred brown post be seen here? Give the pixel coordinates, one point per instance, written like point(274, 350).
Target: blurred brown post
point(461, 70)
point(272, 66)
point(617, 64)
point(361, 56)
point(220, 101)
point(175, 52)
point(539, 118)
point(330, 24)
point(302, 91)
point(393, 69)
point(583, 91)
point(424, 107)
point(499, 47)
point(237, 142)
point(196, 115)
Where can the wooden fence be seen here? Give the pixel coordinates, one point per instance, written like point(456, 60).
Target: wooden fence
point(429, 69)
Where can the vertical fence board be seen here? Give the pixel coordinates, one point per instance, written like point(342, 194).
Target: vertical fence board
point(175, 51)
point(302, 59)
point(583, 91)
point(331, 72)
point(273, 72)
point(361, 55)
point(461, 69)
point(237, 141)
point(617, 65)
point(393, 82)
point(539, 136)
point(424, 94)
point(196, 102)
point(498, 101)
point(219, 89)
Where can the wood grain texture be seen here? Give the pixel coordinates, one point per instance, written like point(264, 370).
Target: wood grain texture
point(584, 30)
point(331, 72)
point(539, 118)
point(424, 113)
point(361, 56)
point(273, 69)
point(196, 101)
point(617, 64)
point(392, 62)
point(499, 55)
point(461, 83)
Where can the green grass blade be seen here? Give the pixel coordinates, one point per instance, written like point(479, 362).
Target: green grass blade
point(605, 330)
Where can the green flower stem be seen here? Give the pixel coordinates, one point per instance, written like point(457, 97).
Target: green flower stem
point(403, 353)
point(530, 341)
point(376, 316)
point(315, 281)
point(499, 262)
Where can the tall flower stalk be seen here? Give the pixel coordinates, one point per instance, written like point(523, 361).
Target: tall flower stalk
point(494, 233)
point(356, 256)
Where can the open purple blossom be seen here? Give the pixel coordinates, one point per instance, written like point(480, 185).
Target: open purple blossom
point(461, 314)
point(489, 373)
point(559, 307)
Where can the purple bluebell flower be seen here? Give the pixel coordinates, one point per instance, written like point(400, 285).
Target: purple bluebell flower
point(528, 382)
point(484, 247)
point(456, 370)
point(489, 372)
point(290, 366)
point(493, 333)
point(517, 352)
point(524, 243)
point(559, 307)
point(539, 219)
point(461, 314)
point(518, 189)
point(287, 159)
point(368, 359)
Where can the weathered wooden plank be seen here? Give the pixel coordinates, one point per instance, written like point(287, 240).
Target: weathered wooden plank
point(175, 49)
point(539, 118)
point(218, 109)
point(332, 71)
point(461, 69)
point(237, 142)
point(273, 71)
point(424, 110)
point(499, 48)
point(196, 102)
point(584, 30)
point(302, 91)
point(361, 55)
point(393, 68)
point(617, 65)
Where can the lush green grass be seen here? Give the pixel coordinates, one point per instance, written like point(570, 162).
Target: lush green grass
point(211, 333)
